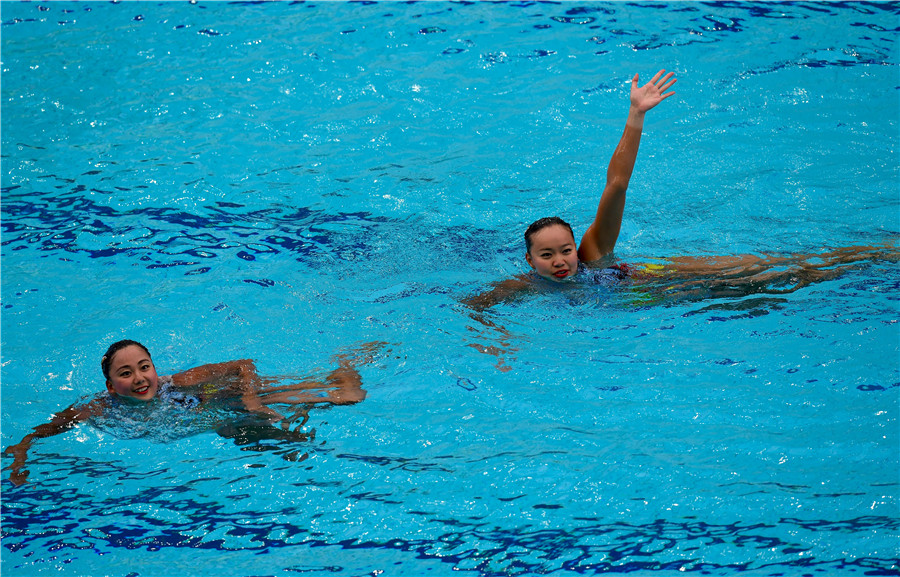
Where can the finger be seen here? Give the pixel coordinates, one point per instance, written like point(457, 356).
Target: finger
point(658, 74)
point(666, 78)
point(634, 81)
point(668, 85)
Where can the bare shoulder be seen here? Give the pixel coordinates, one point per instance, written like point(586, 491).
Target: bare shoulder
point(502, 291)
point(242, 369)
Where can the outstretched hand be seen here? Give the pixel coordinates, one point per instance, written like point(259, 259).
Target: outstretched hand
point(645, 97)
point(18, 474)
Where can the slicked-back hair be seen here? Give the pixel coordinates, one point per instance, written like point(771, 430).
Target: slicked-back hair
point(113, 349)
point(542, 223)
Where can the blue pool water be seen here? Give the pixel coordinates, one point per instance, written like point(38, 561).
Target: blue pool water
point(285, 181)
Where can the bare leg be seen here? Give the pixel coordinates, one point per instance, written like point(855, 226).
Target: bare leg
point(343, 386)
point(763, 273)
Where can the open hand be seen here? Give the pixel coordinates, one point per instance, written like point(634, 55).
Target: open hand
point(645, 97)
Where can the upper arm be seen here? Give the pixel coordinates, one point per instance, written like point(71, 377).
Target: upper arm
point(243, 369)
point(600, 238)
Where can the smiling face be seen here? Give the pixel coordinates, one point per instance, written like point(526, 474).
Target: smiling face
point(132, 374)
point(553, 253)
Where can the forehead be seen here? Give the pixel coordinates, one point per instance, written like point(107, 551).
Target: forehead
point(128, 355)
point(551, 236)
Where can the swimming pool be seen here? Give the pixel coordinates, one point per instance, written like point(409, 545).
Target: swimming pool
point(283, 181)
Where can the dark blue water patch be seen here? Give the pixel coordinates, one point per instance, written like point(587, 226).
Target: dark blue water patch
point(580, 19)
point(55, 518)
point(155, 237)
point(263, 282)
point(397, 463)
point(878, 387)
point(377, 497)
point(169, 264)
point(466, 384)
point(605, 9)
point(747, 308)
point(726, 18)
point(13, 21)
point(780, 10)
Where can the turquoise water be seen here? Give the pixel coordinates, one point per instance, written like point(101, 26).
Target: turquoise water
point(284, 181)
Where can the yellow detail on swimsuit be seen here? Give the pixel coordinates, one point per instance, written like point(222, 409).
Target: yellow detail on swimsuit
point(209, 388)
point(652, 270)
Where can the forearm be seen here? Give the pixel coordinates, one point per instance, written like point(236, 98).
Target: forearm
point(502, 292)
point(254, 404)
point(61, 422)
point(621, 165)
point(641, 100)
point(600, 238)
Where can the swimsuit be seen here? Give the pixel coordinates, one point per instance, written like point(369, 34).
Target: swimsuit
point(168, 393)
point(604, 276)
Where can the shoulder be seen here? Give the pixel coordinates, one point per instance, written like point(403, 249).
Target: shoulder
point(500, 291)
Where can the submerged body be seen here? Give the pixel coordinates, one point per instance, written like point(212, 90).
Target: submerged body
point(553, 255)
point(550, 247)
point(132, 384)
point(683, 277)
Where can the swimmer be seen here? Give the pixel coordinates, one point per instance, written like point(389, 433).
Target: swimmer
point(131, 378)
point(550, 247)
point(553, 256)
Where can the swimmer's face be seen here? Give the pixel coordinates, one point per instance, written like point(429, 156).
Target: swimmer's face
point(553, 253)
point(132, 374)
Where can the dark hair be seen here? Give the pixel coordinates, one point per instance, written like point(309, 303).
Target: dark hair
point(113, 349)
point(542, 223)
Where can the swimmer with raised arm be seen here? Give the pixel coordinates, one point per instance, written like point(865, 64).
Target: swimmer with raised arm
point(131, 378)
point(551, 244)
point(550, 247)
point(551, 251)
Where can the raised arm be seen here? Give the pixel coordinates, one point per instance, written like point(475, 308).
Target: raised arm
point(600, 238)
point(60, 423)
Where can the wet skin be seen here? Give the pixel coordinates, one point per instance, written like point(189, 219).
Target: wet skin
point(553, 253)
point(132, 374)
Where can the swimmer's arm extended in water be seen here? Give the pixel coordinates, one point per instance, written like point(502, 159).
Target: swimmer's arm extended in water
point(600, 237)
point(342, 386)
point(60, 423)
point(502, 291)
